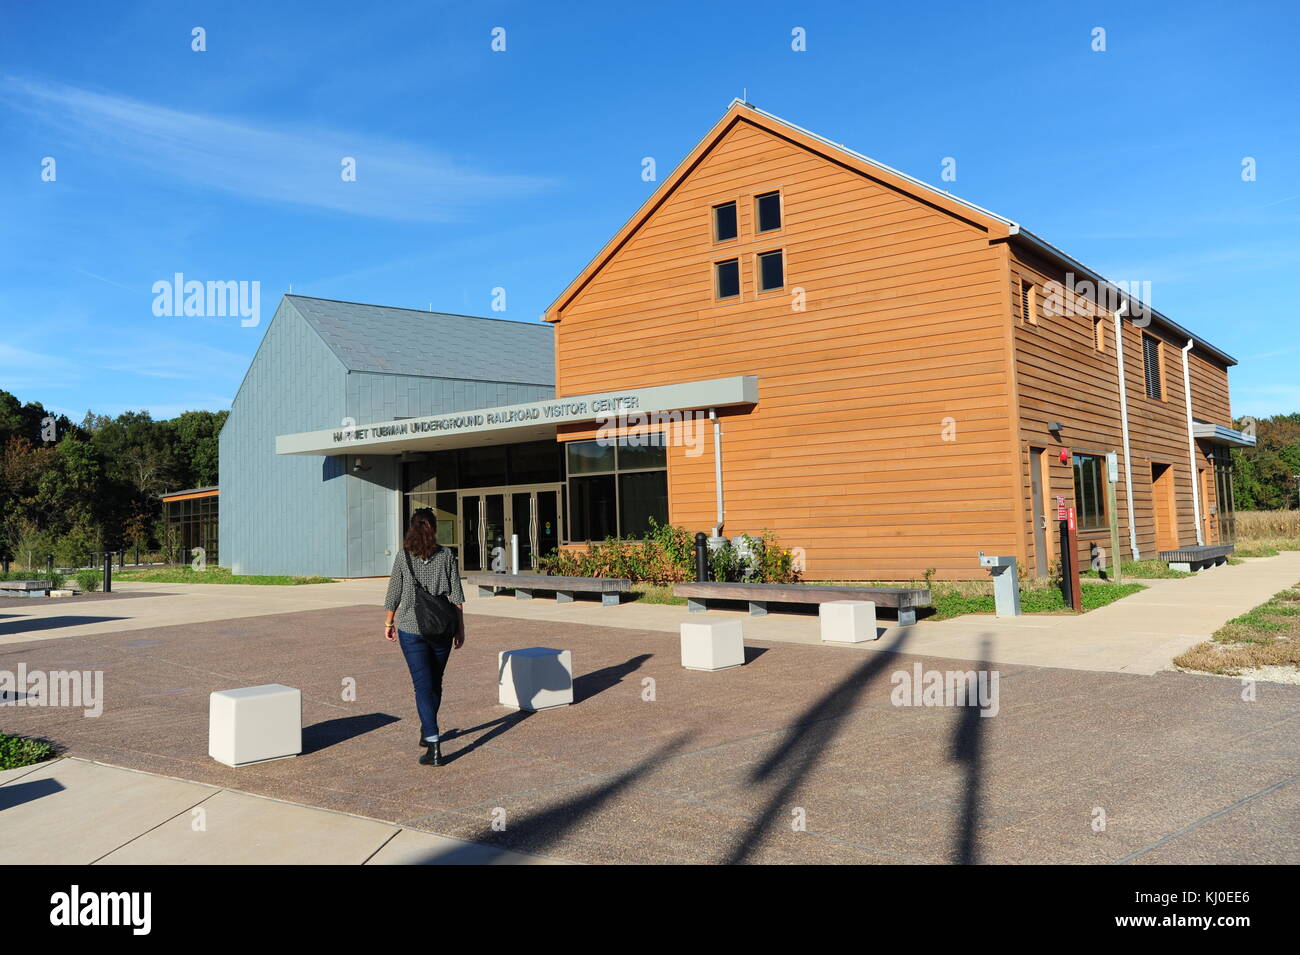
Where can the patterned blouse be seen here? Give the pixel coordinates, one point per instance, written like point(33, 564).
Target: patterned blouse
point(440, 574)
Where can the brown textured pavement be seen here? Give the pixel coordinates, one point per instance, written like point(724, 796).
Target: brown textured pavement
point(718, 766)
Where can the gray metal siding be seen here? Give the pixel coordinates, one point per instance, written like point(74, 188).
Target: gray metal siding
point(281, 514)
point(285, 514)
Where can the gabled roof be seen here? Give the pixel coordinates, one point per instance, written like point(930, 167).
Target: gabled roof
point(407, 341)
point(997, 227)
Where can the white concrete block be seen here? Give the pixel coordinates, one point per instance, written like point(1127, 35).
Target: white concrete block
point(713, 645)
point(848, 621)
point(254, 723)
point(535, 678)
point(60, 593)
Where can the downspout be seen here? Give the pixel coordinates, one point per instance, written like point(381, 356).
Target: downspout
point(1191, 445)
point(717, 467)
point(1123, 421)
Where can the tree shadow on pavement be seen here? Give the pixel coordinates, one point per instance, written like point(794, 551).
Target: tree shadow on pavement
point(801, 749)
point(539, 831)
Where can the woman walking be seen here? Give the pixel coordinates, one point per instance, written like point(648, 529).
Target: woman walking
point(425, 597)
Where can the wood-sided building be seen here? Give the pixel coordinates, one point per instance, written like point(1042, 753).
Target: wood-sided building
point(921, 365)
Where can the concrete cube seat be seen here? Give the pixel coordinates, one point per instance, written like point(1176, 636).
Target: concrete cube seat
point(254, 723)
point(712, 645)
point(848, 621)
point(535, 678)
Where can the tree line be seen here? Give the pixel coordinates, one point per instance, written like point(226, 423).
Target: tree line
point(71, 489)
point(1264, 477)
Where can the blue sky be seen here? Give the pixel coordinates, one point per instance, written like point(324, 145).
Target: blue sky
point(479, 169)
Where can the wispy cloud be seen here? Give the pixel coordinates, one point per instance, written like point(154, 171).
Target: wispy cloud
point(273, 163)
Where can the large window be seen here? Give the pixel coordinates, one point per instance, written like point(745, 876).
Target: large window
point(616, 488)
point(1090, 492)
point(194, 524)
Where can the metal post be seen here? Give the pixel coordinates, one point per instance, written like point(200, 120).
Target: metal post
point(137, 555)
point(108, 572)
point(1112, 510)
point(49, 564)
point(701, 558)
point(121, 559)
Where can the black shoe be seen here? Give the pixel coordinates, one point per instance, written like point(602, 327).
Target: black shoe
point(432, 755)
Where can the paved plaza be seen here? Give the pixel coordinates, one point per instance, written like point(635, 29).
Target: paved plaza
point(798, 756)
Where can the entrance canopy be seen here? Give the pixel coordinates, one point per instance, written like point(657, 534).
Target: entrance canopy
point(508, 424)
point(1218, 434)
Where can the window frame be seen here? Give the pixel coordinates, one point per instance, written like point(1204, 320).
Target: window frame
point(780, 212)
point(717, 284)
point(617, 473)
point(758, 272)
point(1028, 302)
point(713, 216)
point(1159, 358)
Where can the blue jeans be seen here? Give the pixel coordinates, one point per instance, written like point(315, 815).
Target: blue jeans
point(426, 659)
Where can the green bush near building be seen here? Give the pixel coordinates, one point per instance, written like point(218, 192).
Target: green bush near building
point(88, 580)
point(18, 751)
point(667, 556)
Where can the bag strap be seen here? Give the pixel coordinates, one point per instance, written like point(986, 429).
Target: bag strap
point(415, 579)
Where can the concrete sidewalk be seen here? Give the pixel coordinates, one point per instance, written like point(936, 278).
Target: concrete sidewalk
point(77, 812)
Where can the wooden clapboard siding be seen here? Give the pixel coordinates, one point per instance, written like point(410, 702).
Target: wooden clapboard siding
point(1061, 376)
point(905, 326)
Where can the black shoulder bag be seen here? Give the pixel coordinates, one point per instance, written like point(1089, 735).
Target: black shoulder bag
point(434, 613)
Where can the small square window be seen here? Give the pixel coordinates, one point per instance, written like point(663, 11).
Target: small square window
point(767, 211)
point(771, 271)
point(724, 222)
point(726, 278)
point(1099, 333)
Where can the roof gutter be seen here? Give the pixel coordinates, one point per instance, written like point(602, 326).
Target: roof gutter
point(1191, 445)
point(1123, 423)
point(1056, 254)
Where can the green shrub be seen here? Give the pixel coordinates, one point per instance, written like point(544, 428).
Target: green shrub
point(89, 579)
point(16, 751)
point(666, 555)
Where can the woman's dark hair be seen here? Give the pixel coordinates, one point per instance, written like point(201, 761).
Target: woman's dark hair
point(422, 536)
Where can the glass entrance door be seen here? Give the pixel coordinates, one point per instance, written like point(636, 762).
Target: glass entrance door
point(547, 524)
point(471, 537)
point(489, 518)
point(496, 535)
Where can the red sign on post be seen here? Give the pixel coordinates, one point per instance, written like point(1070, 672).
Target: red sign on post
point(1069, 512)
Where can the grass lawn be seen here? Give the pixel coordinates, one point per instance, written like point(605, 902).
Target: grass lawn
point(948, 604)
point(16, 751)
point(1268, 636)
point(213, 575)
point(1143, 570)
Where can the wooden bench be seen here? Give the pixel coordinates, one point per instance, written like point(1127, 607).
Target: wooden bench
point(905, 600)
point(524, 585)
point(1189, 559)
